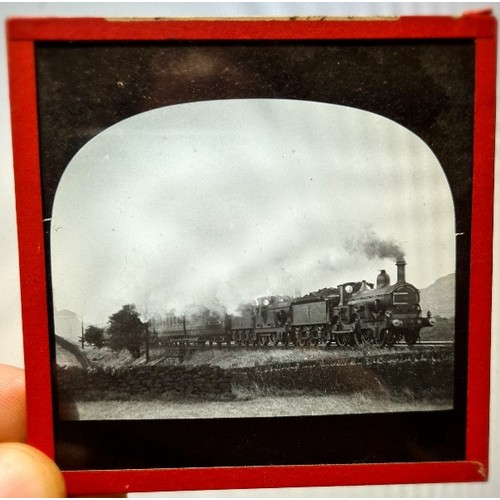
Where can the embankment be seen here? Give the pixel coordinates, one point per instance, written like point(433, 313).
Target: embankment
point(212, 376)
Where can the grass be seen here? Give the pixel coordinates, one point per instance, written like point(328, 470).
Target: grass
point(247, 358)
point(267, 406)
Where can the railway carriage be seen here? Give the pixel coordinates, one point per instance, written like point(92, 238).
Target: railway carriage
point(208, 330)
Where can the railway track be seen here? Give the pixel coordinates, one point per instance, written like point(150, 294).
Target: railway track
point(436, 342)
point(287, 356)
point(420, 345)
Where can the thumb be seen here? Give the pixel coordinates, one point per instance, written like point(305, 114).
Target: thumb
point(27, 472)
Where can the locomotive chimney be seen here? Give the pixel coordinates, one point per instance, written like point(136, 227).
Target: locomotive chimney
point(401, 271)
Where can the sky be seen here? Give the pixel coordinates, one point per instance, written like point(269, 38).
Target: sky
point(216, 203)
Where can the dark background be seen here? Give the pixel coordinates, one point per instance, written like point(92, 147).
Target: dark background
point(427, 87)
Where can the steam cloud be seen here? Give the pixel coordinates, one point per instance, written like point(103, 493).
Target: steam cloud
point(143, 217)
point(368, 244)
point(373, 247)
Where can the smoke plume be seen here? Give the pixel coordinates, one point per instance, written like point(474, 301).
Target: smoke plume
point(374, 247)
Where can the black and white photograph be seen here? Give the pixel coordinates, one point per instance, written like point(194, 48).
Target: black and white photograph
point(254, 257)
point(249, 235)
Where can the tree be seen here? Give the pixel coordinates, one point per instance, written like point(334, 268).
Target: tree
point(94, 335)
point(126, 330)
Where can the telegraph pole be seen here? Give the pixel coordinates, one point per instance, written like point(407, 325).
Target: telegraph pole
point(83, 337)
point(147, 342)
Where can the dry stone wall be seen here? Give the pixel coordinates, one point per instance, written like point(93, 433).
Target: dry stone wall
point(421, 375)
point(143, 382)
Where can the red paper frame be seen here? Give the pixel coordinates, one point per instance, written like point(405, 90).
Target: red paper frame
point(22, 35)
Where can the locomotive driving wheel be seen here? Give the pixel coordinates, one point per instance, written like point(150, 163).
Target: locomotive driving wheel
point(411, 337)
point(341, 338)
point(262, 340)
point(391, 338)
point(381, 338)
point(325, 335)
point(361, 337)
point(303, 337)
point(252, 338)
point(274, 339)
point(369, 336)
point(356, 337)
point(244, 338)
point(315, 336)
point(288, 335)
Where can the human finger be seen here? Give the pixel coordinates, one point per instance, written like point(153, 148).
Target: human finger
point(12, 404)
point(27, 472)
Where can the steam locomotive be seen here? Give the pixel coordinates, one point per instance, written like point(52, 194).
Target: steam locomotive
point(354, 313)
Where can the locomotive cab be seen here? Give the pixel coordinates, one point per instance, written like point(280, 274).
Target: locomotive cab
point(271, 311)
point(348, 290)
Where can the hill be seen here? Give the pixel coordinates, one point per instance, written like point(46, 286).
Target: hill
point(439, 298)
